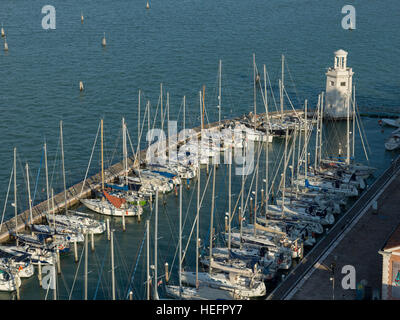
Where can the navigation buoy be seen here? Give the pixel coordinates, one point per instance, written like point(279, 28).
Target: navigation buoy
point(147, 5)
point(5, 45)
point(103, 42)
point(80, 86)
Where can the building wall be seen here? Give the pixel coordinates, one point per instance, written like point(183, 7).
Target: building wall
point(385, 275)
point(393, 292)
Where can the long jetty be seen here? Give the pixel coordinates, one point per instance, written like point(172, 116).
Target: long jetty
point(84, 189)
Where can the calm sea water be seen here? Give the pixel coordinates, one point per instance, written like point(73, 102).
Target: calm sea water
point(179, 44)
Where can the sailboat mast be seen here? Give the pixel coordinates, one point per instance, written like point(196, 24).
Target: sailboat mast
point(148, 258)
point(354, 119)
point(15, 191)
point(139, 129)
point(321, 127)
point(124, 147)
point(47, 177)
point(282, 84)
point(230, 198)
point(267, 142)
point(184, 113)
point(241, 213)
point(63, 166)
point(317, 133)
point(29, 194)
point(162, 113)
point(180, 240)
point(305, 139)
point(284, 172)
point(102, 157)
point(112, 265)
point(156, 249)
point(212, 218)
point(203, 96)
point(219, 93)
point(254, 93)
point(198, 227)
point(148, 120)
point(348, 131)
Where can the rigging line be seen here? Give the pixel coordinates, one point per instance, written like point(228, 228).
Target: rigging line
point(5, 201)
point(252, 180)
point(90, 160)
point(115, 146)
point(76, 274)
point(294, 83)
point(54, 165)
point(362, 140)
point(37, 178)
point(363, 130)
point(141, 131)
point(138, 256)
point(100, 274)
point(201, 202)
point(290, 101)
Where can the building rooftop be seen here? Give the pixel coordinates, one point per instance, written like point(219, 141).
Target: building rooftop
point(393, 243)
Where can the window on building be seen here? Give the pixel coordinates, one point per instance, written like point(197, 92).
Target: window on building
point(343, 84)
point(396, 280)
point(332, 83)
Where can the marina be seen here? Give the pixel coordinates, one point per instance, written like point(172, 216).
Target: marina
point(146, 157)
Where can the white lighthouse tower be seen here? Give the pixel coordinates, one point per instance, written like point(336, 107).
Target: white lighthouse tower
point(339, 83)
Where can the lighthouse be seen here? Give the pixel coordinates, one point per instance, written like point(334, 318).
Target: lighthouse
point(339, 84)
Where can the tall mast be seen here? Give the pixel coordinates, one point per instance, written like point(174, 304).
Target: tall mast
point(168, 123)
point(282, 84)
point(148, 258)
point(47, 177)
point(230, 198)
point(29, 194)
point(241, 213)
point(156, 249)
point(180, 240)
point(212, 217)
point(102, 157)
point(162, 113)
point(348, 131)
point(139, 129)
point(63, 166)
point(284, 172)
point(184, 112)
point(254, 93)
point(219, 93)
point(354, 119)
point(86, 267)
point(266, 98)
point(201, 111)
point(321, 126)
point(112, 265)
point(305, 139)
point(197, 227)
point(148, 119)
point(267, 143)
point(125, 152)
point(15, 191)
point(317, 133)
point(203, 96)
